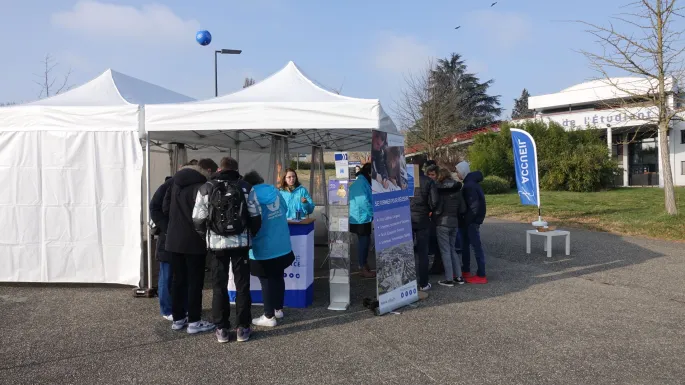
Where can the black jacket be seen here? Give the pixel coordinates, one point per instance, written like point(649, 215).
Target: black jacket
point(451, 204)
point(160, 219)
point(421, 206)
point(179, 202)
point(474, 198)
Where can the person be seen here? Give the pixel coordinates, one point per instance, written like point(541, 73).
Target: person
point(447, 223)
point(437, 267)
point(163, 256)
point(188, 249)
point(271, 251)
point(225, 221)
point(361, 216)
point(421, 207)
point(470, 221)
point(296, 196)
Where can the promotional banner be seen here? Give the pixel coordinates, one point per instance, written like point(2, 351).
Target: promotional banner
point(341, 165)
point(526, 167)
point(395, 266)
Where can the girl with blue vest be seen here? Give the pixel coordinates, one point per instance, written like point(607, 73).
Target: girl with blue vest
point(271, 251)
point(361, 215)
point(296, 196)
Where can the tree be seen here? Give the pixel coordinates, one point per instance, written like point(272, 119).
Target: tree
point(248, 82)
point(521, 110)
point(443, 100)
point(651, 47)
point(47, 81)
point(7, 104)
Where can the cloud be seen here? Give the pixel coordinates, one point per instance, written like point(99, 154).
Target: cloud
point(401, 54)
point(151, 23)
point(504, 30)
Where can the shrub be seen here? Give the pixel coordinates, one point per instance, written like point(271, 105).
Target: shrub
point(493, 184)
point(567, 160)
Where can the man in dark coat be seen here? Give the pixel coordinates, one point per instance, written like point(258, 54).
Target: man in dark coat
point(421, 207)
point(162, 222)
point(470, 221)
point(187, 248)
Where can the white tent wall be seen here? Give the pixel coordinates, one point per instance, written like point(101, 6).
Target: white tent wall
point(247, 160)
point(70, 206)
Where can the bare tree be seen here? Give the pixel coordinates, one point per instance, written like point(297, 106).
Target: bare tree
point(248, 82)
point(650, 47)
point(47, 81)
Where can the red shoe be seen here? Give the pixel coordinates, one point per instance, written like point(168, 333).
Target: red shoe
point(476, 280)
point(467, 275)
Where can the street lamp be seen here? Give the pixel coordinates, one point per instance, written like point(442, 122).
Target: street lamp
point(223, 52)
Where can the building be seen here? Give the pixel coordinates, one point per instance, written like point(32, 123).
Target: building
point(416, 154)
point(615, 107)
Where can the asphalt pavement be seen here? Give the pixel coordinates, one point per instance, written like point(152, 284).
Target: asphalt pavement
point(610, 313)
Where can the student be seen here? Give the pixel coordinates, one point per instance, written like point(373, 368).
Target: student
point(162, 222)
point(296, 196)
point(223, 215)
point(271, 251)
point(470, 221)
point(447, 223)
point(421, 207)
point(361, 216)
point(188, 249)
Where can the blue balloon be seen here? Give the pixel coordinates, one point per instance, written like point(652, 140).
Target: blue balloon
point(203, 37)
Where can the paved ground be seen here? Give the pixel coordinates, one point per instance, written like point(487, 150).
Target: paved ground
point(611, 313)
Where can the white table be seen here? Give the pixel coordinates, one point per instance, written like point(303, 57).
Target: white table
point(548, 241)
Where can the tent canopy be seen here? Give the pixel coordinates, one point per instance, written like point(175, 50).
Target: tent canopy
point(110, 102)
point(286, 103)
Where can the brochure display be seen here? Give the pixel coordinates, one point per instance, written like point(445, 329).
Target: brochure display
point(339, 244)
point(299, 277)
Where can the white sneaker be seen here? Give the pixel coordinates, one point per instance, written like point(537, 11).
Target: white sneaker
point(200, 327)
point(278, 314)
point(168, 317)
point(426, 288)
point(263, 321)
point(180, 324)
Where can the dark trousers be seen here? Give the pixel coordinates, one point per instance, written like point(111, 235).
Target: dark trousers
point(221, 306)
point(470, 237)
point(273, 291)
point(422, 245)
point(363, 244)
point(188, 272)
point(164, 288)
point(434, 249)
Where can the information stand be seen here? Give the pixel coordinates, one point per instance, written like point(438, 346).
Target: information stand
point(339, 244)
point(299, 277)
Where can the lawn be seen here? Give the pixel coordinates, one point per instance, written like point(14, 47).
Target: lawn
point(629, 211)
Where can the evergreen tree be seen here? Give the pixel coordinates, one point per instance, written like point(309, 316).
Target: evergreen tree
point(521, 110)
point(248, 82)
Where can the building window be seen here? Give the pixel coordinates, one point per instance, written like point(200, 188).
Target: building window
point(682, 136)
point(682, 168)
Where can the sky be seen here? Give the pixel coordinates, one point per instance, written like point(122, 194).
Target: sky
point(366, 48)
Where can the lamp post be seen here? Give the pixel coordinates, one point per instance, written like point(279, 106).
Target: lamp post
point(223, 52)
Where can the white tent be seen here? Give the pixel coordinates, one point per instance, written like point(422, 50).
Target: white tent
point(70, 201)
point(285, 104)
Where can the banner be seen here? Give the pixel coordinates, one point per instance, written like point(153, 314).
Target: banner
point(341, 165)
point(396, 283)
point(526, 167)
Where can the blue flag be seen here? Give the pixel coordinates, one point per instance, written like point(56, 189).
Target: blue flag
point(526, 167)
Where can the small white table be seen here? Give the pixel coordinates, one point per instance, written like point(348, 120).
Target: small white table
point(548, 241)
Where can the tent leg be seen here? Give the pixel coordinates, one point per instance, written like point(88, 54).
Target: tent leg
point(147, 225)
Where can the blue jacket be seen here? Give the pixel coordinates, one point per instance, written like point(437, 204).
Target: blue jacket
point(474, 199)
point(361, 202)
point(293, 201)
point(273, 238)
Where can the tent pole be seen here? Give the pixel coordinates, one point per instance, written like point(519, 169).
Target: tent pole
point(147, 225)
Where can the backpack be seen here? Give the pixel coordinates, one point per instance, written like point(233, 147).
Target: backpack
point(228, 213)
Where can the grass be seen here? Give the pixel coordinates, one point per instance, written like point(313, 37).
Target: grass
point(628, 211)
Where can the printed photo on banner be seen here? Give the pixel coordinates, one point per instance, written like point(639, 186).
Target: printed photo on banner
point(396, 267)
point(388, 166)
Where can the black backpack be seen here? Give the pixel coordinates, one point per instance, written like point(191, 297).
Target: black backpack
point(228, 213)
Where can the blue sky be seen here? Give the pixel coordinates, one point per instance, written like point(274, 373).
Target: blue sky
point(367, 47)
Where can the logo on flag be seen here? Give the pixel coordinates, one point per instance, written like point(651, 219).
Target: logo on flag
point(526, 167)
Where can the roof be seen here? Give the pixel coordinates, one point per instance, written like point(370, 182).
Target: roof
point(456, 138)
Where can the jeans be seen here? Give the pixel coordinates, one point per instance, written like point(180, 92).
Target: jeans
point(447, 237)
point(422, 245)
point(164, 288)
point(470, 237)
point(221, 306)
point(457, 242)
point(363, 244)
point(273, 291)
point(435, 250)
point(188, 271)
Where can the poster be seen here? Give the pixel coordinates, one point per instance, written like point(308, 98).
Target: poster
point(395, 266)
point(338, 192)
point(341, 165)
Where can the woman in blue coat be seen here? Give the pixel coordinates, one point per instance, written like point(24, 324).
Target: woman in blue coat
point(296, 196)
point(361, 216)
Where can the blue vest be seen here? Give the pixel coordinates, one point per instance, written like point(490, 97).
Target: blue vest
point(273, 238)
